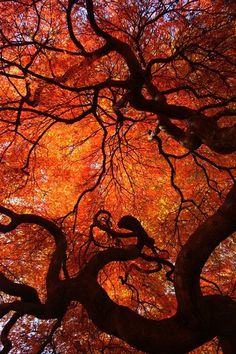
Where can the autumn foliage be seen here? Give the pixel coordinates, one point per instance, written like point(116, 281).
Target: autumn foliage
point(117, 165)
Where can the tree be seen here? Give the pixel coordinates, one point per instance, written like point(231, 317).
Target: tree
point(118, 176)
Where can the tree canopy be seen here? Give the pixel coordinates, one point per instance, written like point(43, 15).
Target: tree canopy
point(117, 165)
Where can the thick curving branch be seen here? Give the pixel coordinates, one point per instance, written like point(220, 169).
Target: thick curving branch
point(178, 334)
point(172, 335)
point(25, 292)
point(201, 129)
point(165, 336)
point(58, 259)
point(6, 342)
point(195, 253)
point(185, 331)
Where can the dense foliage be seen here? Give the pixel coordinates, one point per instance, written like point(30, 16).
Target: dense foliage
point(117, 165)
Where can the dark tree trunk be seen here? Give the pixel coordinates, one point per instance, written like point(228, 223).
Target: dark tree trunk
point(198, 318)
